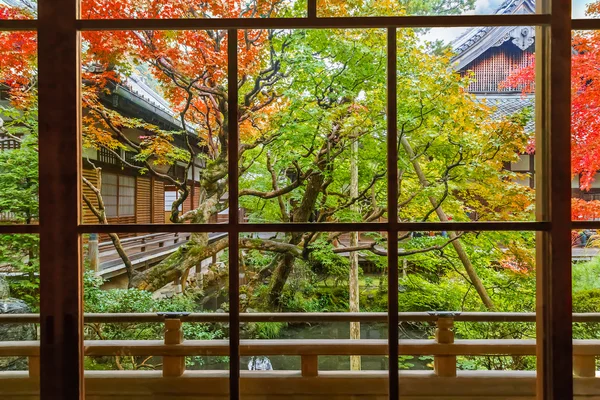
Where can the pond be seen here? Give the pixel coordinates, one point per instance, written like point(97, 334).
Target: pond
point(333, 330)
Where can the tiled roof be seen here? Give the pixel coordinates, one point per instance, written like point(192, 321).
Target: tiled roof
point(507, 105)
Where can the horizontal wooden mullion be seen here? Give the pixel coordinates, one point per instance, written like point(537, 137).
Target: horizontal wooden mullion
point(586, 24)
point(315, 23)
point(18, 24)
point(18, 229)
point(585, 224)
point(314, 227)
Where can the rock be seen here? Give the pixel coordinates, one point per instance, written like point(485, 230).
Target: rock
point(15, 332)
point(243, 297)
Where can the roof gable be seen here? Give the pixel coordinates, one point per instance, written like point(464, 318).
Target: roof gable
point(475, 41)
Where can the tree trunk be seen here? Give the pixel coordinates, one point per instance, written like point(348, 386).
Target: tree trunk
point(355, 364)
point(178, 263)
point(462, 255)
point(301, 214)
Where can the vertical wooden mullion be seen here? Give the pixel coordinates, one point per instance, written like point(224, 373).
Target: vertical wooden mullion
point(234, 227)
point(312, 9)
point(553, 200)
point(392, 164)
point(61, 315)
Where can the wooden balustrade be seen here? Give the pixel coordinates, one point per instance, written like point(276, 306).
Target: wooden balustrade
point(444, 347)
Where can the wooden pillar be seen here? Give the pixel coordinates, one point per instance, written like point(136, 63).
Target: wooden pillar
point(173, 366)
point(584, 366)
point(444, 365)
point(310, 365)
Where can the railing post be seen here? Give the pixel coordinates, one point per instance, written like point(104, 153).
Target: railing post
point(34, 366)
point(444, 365)
point(584, 366)
point(310, 366)
point(173, 365)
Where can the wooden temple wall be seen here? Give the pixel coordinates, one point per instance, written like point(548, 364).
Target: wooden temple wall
point(494, 66)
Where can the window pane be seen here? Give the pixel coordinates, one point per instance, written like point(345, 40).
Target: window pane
point(585, 256)
point(461, 281)
point(128, 9)
point(133, 102)
point(585, 9)
point(19, 180)
point(314, 272)
point(314, 133)
point(18, 9)
point(19, 295)
point(585, 187)
point(126, 195)
point(465, 116)
point(185, 274)
point(355, 8)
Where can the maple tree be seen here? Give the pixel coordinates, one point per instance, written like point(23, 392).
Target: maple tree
point(585, 103)
point(306, 97)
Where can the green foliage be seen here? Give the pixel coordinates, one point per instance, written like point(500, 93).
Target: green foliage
point(263, 330)
point(97, 300)
point(586, 275)
point(19, 180)
point(21, 253)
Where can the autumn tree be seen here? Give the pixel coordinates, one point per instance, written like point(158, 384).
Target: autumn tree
point(585, 103)
point(307, 98)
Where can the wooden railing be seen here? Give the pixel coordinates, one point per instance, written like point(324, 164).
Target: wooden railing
point(444, 347)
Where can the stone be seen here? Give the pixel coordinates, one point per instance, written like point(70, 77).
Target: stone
point(15, 332)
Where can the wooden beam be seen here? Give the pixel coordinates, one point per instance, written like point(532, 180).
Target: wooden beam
point(61, 375)
point(429, 21)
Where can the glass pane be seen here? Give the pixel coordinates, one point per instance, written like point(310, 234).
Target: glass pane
point(453, 287)
point(18, 9)
point(466, 124)
point(313, 129)
point(585, 187)
point(311, 275)
point(585, 9)
point(585, 256)
point(19, 181)
point(149, 289)
point(154, 131)
point(356, 8)
point(19, 296)
point(128, 9)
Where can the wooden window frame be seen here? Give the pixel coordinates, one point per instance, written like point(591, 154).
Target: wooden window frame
point(58, 26)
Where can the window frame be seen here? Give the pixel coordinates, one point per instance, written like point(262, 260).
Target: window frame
point(58, 26)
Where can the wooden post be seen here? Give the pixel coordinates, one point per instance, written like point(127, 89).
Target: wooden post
point(93, 253)
point(584, 366)
point(34, 366)
point(310, 366)
point(173, 366)
point(444, 365)
point(354, 289)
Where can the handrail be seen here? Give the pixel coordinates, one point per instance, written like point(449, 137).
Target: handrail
point(302, 317)
point(174, 348)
